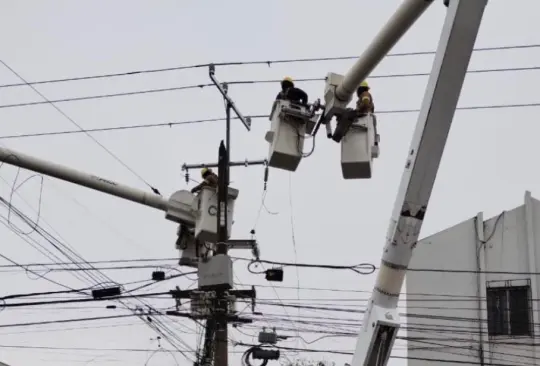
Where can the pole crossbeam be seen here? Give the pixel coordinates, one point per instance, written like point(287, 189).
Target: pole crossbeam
point(244, 163)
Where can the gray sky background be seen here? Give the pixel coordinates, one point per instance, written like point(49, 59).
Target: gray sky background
point(489, 162)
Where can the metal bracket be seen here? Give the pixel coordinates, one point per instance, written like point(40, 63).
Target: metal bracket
point(245, 120)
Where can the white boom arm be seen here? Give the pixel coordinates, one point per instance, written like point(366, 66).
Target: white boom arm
point(340, 89)
point(406, 15)
point(177, 208)
point(381, 320)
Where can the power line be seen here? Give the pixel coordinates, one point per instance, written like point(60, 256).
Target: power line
point(72, 320)
point(86, 299)
point(240, 82)
point(368, 267)
point(52, 104)
point(259, 62)
point(152, 323)
point(253, 117)
point(15, 346)
point(361, 268)
point(342, 352)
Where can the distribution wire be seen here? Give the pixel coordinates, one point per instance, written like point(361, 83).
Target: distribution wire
point(409, 315)
point(413, 339)
point(52, 103)
point(342, 352)
point(83, 349)
point(72, 320)
point(147, 319)
point(259, 62)
point(368, 267)
point(361, 268)
point(253, 117)
point(69, 320)
point(355, 323)
point(353, 333)
point(64, 249)
point(157, 326)
point(238, 82)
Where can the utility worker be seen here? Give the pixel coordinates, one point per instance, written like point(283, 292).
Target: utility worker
point(210, 179)
point(292, 93)
point(365, 105)
point(365, 99)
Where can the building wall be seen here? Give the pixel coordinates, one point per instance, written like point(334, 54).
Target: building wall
point(447, 314)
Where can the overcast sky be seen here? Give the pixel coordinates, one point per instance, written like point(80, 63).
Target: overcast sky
point(490, 160)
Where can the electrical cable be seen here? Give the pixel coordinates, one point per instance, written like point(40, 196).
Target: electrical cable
point(65, 250)
point(52, 103)
point(160, 327)
point(453, 330)
point(260, 62)
point(467, 341)
point(85, 299)
point(361, 268)
point(34, 223)
point(107, 280)
point(30, 347)
point(63, 321)
point(45, 278)
point(286, 264)
point(237, 82)
point(26, 219)
point(253, 117)
point(342, 352)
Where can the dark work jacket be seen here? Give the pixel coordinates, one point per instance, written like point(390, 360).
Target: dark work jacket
point(293, 94)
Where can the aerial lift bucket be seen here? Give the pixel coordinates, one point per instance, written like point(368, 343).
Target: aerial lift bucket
point(359, 148)
point(290, 123)
point(206, 205)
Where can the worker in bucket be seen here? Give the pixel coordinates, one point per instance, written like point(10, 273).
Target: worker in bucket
point(292, 93)
point(210, 179)
point(364, 104)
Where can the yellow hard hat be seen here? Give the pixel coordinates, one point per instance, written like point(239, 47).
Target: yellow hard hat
point(288, 78)
point(364, 84)
point(204, 171)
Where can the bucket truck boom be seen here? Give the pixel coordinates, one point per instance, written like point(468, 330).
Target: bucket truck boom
point(381, 320)
point(340, 89)
point(358, 133)
point(196, 214)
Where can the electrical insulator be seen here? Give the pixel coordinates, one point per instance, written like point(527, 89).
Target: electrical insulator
point(266, 172)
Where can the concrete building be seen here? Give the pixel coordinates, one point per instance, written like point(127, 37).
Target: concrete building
point(473, 292)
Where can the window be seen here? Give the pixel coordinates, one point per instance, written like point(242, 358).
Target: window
point(509, 311)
